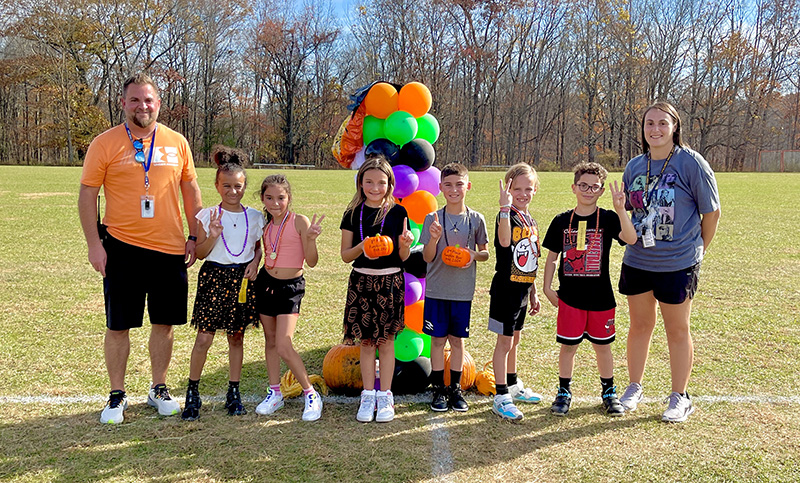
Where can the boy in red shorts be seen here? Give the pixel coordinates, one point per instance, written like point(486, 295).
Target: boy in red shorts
point(585, 299)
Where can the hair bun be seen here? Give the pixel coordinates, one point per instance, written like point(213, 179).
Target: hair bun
point(224, 155)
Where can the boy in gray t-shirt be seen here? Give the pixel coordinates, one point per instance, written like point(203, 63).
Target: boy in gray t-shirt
point(454, 237)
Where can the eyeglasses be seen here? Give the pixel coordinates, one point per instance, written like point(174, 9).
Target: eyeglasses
point(594, 188)
point(138, 145)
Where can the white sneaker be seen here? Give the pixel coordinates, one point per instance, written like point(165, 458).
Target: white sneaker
point(385, 407)
point(524, 394)
point(313, 410)
point(504, 407)
point(366, 410)
point(680, 407)
point(271, 403)
point(159, 398)
point(117, 403)
point(632, 396)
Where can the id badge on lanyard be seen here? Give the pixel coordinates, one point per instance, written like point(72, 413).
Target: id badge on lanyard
point(147, 202)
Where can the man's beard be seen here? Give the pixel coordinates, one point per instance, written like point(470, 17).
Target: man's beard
point(144, 125)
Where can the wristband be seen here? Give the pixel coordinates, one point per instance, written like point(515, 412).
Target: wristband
point(506, 206)
point(504, 215)
point(192, 238)
point(505, 210)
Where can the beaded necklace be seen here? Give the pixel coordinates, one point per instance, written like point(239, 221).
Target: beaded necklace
point(246, 233)
point(361, 221)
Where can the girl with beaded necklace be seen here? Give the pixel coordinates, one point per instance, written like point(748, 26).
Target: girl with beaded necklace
point(374, 313)
point(229, 243)
point(290, 239)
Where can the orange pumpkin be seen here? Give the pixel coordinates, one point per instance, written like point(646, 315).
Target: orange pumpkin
point(467, 373)
point(378, 246)
point(456, 256)
point(341, 369)
point(484, 381)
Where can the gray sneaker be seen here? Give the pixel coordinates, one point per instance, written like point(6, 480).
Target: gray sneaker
point(632, 396)
point(680, 407)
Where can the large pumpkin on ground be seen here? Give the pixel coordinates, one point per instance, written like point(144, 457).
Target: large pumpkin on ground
point(467, 373)
point(341, 369)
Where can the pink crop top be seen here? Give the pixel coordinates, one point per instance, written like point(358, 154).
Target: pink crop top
point(290, 252)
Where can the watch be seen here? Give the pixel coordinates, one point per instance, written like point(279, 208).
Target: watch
point(192, 238)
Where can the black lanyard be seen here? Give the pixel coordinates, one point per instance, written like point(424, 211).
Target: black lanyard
point(647, 193)
point(444, 227)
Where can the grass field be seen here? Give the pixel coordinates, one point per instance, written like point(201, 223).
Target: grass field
point(53, 382)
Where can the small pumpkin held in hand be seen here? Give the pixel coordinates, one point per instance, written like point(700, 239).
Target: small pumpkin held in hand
point(378, 246)
point(456, 256)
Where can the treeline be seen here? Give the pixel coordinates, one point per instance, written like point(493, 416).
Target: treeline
point(549, 81)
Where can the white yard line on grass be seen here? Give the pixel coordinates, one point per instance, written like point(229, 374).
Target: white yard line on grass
point(416, 398)
point(441, 458)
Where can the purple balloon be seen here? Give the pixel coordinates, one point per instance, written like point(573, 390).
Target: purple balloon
point(429, 180)
point(413, 289)
point(405, 180)
point(422, 282)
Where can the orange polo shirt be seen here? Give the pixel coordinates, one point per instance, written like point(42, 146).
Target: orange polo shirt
point(110, 163)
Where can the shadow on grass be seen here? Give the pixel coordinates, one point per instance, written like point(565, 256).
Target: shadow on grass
point(66, 442)
point(73, 446)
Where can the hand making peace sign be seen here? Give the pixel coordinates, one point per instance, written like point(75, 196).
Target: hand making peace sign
point(617, 195)
point(315, 228)
point(505, 193)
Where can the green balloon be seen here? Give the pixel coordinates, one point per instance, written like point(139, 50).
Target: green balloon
point(426, 345)
point(407, 345)
point(372, 130)
point(428, 128)
point(416, 231)
point(400, 127)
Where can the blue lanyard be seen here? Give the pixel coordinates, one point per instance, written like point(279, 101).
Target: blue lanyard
point(146, 164)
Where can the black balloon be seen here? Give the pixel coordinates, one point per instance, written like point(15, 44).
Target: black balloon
point(411, 377)
point(418, 154)
point(384, 147)
point(415, 264)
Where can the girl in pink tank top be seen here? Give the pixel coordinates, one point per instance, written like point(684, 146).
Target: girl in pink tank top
point(289, 240)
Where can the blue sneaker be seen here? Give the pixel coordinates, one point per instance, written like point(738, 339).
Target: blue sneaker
point(524, 394)
point(504, 407)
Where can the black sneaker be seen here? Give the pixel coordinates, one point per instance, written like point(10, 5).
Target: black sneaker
point(233, 402)
point(611, 402)
point(455, 399)
point(191, 408)
point(439, 401)
point(563, 400)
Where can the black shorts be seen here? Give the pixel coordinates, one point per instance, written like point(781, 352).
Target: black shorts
point(135, 274)
point(508, 305)
point(667, 287)
point(276, 297)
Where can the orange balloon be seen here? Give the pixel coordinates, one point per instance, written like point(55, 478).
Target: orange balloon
point(413, 316)
point(415, 99)
point(381, 100)
point(418, 204)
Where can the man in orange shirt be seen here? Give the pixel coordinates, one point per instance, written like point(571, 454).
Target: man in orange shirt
point(145, 168)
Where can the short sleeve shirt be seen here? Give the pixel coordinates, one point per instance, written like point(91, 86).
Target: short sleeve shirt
point(234, 248)
point(519, 261)
point(110, 163)
point(671, 207)
point(467, 230)
point(361, 222)
point(583, 275)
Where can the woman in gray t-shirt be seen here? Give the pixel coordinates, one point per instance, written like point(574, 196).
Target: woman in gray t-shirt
point(674, 203)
